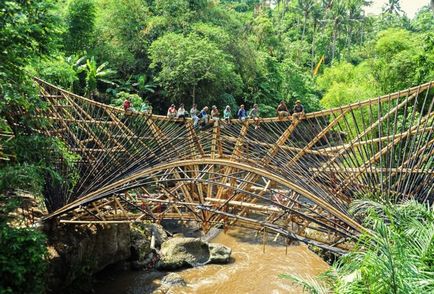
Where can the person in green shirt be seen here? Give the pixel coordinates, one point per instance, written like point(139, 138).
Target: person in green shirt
point(254, 114)
point(227, 114)
point(146, 108)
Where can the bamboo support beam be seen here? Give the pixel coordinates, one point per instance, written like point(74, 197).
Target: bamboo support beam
point(365, 132)
point(135, 166)
point(372, 141)
point(380, 153)
point(375, 170)
point(318, 137)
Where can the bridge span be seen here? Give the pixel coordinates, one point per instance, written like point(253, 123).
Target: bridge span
point(291, 177)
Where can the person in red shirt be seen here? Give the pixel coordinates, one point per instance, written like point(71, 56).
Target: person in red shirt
point(171, 112)
point(127, 105)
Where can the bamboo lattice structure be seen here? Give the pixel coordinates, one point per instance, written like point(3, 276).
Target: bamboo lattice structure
point(294, 177)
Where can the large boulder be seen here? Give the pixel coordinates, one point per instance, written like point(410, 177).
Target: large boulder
point(219, 253)
point(140, 245)
point(183, 252)
point(190, 252)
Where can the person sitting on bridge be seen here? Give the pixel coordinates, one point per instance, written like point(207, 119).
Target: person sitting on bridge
point(215, 114)
point(254, 114)
point(242, 113)
point(146, 108)
point(203, 116)
point(128, 105)
point(182, 113)
point(298, 110)
point(282, 110)
point(171, 112)
point(227, 114)
point(194, 115)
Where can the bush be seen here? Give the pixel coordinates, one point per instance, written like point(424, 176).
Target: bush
point(22, 255)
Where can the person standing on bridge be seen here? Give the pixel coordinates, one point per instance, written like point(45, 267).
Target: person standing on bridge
point(282, 110)
point(254, 114)
point(298, 110)
point(242, 113)
point(194, 115)
point(171, 112)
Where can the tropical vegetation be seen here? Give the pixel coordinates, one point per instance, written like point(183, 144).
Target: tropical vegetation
point(324, 52)
point(396, 256)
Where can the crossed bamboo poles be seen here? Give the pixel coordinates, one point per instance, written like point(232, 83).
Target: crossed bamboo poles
point(224, 174)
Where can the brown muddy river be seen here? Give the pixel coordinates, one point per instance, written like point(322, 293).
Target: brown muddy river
point(251, 270)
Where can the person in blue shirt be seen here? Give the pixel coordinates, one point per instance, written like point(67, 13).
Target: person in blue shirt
point(203, 116)
point(242, 113)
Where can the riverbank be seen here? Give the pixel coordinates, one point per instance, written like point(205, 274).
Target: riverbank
point(119, 259)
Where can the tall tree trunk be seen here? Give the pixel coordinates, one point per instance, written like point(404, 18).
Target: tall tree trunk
point(194, 94)
point(350, 33)
point(334, 40)
point(312, 52)
point(304, 24)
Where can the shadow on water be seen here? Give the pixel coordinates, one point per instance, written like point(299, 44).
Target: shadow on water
point(129, 282)
point(257, 237)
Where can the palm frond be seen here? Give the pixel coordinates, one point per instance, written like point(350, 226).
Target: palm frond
point(310, 285)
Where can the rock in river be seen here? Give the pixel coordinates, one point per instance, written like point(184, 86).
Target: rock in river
point(189, 252)
point(173, 279)
point(219, 253)
point(169, 281)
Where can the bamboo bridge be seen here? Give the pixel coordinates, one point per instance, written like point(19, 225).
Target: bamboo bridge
point(291, 177)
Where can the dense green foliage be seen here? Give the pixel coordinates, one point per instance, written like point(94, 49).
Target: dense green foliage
point(28, 31)
point(22, 255)
point(397, 256)
point(223, 52)
point(233, 52)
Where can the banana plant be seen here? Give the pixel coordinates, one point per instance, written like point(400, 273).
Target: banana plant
point(144, 85)
point(95, 74)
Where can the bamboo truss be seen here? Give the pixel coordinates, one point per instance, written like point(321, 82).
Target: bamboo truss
point(293, 177)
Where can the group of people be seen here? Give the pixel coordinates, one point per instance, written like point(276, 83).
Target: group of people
point(202, 118)
point(297, 111)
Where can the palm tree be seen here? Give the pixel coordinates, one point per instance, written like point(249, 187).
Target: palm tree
point(338, 10)
point(355, 17)
point(305, 6)
point(393, 7)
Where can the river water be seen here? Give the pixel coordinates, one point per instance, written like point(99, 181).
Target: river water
point(251, 270)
